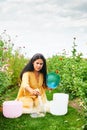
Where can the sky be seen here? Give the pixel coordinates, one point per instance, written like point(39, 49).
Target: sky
point(45, 26)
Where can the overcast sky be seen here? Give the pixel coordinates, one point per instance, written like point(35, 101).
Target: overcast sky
point(45, 26)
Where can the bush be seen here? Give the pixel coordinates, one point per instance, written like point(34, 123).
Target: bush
point(11, 64)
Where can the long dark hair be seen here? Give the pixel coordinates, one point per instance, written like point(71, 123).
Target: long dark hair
point(29, 66)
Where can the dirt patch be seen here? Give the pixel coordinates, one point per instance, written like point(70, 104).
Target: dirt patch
point(77, 104)
point(0, 109)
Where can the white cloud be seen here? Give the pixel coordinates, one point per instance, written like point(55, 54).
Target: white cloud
point(45, 24)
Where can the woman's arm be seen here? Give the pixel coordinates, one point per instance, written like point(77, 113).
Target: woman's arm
point(26, 85)
point(32, 91)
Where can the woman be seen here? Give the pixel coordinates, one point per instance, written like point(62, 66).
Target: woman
point(33, 85)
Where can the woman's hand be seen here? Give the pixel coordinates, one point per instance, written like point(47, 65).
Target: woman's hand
point(49, 88)
point(36, 92)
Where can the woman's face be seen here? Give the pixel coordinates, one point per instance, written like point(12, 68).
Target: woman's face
point(38, 64)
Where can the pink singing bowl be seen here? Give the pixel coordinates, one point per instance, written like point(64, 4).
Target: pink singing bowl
point(12, 109)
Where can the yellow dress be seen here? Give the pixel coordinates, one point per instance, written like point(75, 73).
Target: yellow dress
point(31, 101)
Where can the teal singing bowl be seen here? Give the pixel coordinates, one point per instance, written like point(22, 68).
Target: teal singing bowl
point(52, 80)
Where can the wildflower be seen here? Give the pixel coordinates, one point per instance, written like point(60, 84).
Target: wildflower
point(60, 58)
point(74, 38)
point(5, 48)
point(5, 68)
point(57, 71)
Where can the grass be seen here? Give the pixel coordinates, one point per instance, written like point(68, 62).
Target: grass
point(73, 120)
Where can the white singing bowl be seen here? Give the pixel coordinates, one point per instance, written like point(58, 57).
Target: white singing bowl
point(12, 109)
point(59, 104)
